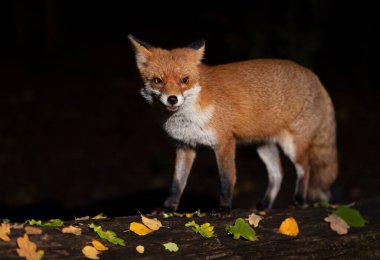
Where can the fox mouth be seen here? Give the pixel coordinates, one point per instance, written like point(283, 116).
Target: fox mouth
point(171, 108)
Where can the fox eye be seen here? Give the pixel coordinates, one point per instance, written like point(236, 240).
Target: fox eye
point(157, 80)
point(185, 80)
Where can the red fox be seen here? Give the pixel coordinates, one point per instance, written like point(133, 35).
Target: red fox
point(274, 102)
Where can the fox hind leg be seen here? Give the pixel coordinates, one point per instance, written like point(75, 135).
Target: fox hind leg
point(295, 149)
point(269, 154)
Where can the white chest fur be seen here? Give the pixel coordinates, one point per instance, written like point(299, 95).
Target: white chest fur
point(190, 124)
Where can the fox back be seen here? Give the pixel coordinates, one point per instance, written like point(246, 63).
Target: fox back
point(275, 102)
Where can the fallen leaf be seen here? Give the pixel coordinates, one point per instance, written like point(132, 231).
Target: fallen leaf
point(108, 235)
point(167, 215)
point(241, 229)
point(152, 223)
point(140, 249)
point(337, 224)
point(82, 218)
point(289, 227)
point(170, 246)
point(33, 230)
point(351, 216)
point(322, 203)
point(54, 223)
point(205, 230)
point(262, 213)
point(28, 249)
point(181, 215)
point(18, 226)
point(98, 245)
point(90, 252)
point(254, 219)
point(100, 216)
point(50, 223)
point(72, 230)
point(34, 222)
point(5, 230)
point(139, 229)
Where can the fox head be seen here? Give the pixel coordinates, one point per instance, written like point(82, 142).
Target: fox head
point(168, 75)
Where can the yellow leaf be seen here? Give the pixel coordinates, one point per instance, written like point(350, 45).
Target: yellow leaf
point(188, 215)
point(72, 230)
point(100, 216)
point(98, 245)
point(90, 252)
point(5, 230)
point(289, 227)
point(337, 224)
point(33, 230)
point(140, 249)
point(152, 223)
point(254, 219)
point(28, 249)
point(139, 229)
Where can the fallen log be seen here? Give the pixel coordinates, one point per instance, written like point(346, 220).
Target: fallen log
point(315, 240)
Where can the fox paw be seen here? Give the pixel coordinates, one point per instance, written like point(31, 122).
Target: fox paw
point(221, 212)
point(298, 202)
point(263, 205)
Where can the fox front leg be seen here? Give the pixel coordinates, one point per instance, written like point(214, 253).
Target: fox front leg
point(184, 160)
point(225, 156)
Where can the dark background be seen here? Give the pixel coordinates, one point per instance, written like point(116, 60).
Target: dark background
point(76, 138)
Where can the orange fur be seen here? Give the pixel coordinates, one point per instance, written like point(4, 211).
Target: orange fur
point(257, 100)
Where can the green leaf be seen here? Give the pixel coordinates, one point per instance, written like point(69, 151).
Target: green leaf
point(167, 215)
point(54, 223)
point(108, 235)
point(170, 246)
point(199, 214)
point(322, 203)
point(34, 222)
point(351, 216)
point(4, 220)
point(241, 229)
point(100, 216)
point(50, 223)
point(205, 230)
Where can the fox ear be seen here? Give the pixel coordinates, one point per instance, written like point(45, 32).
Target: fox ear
point(142, 51)
point(199, 47)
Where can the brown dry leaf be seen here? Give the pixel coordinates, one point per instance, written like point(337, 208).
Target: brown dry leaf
point(152, 223)
point(254, 219)
point(337, 224)
point(139, 229)
point(28, 249)
point(289, 227)
point(5, 230)
point(18, 226)
point(33, 230)
point(98, 245)
point(262, 213)
point(140, 249)
point(72, 230)
point(82, 218)
point(90, 252)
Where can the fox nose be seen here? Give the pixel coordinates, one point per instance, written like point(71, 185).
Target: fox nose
point(172, 100)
